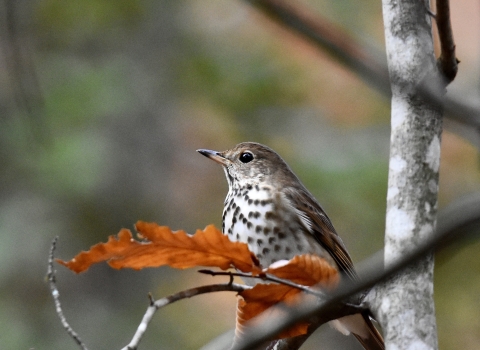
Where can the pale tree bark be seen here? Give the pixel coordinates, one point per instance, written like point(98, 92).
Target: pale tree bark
point(404, 305)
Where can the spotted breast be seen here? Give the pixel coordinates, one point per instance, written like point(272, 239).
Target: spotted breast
point(262, 217)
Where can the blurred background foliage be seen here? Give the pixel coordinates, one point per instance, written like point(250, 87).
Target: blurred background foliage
point(102, 106)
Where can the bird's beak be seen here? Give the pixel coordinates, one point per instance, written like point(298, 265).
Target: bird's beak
point(213, 155)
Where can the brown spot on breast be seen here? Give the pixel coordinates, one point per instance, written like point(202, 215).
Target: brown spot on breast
point(270, 215)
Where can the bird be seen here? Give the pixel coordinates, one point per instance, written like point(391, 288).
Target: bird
point(268, 208)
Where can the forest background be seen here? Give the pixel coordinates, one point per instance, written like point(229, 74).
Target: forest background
point(103, 104)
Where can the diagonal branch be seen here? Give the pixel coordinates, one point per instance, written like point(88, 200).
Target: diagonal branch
point(370, 67)
point(158, 304)
point(330, 38)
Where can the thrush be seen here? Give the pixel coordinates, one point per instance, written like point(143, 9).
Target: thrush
point(269, 208)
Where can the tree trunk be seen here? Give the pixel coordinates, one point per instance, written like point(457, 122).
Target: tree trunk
point(404, 305)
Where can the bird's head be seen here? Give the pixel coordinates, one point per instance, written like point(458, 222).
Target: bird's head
point(250, 163)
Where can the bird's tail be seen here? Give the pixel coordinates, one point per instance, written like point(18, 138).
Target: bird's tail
point(361, 326)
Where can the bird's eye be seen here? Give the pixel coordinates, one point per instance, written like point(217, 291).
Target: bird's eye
point(246, 157)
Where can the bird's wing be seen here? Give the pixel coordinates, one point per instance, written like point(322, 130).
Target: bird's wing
point(316, 222)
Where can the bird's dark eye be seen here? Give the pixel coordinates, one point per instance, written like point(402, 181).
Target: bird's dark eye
point(246, 157)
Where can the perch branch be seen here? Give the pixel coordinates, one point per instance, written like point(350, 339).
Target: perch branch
point(266, 277)
point(158, 304)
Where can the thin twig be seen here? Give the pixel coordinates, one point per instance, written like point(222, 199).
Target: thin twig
point(266, 277)
point(56, 296)
point(454, 224)
point(447, 62)
point(158, 304)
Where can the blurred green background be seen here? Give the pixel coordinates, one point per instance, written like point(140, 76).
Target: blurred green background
point(102, 106)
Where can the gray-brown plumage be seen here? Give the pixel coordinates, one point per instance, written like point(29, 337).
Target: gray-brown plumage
point(268, 208)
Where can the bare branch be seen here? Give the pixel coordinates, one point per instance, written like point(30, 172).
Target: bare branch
point(155, 305)
point(56, 296)
point(370, 67)
point(454, 225)
point(330, 38)
point(447, 62)
point(266, 277)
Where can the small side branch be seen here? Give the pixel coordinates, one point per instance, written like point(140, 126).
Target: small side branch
point(56, 296)
point(158, 304)
point(447, 62)
point(266, 277)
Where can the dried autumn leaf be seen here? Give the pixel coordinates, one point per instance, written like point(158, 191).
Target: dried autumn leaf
point(260, 299)
point(306, 270)
point(207, 247)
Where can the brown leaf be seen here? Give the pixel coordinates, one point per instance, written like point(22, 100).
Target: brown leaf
point(306, 270)
point(260, 299)
point(207, 247)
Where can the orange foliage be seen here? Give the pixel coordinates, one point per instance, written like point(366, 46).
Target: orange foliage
point(158, 245)
point(307, 270)
point(207, 247)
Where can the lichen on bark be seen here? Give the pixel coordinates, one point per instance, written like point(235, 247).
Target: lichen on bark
point(404, 304)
